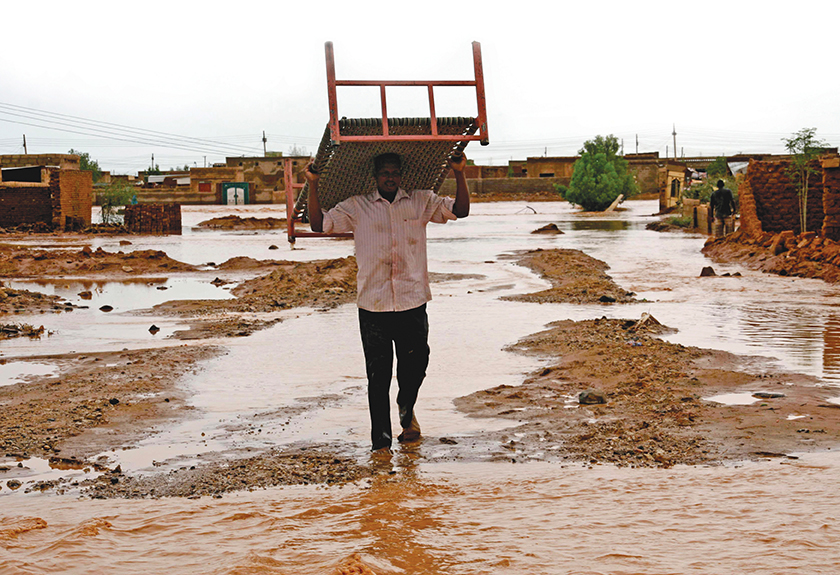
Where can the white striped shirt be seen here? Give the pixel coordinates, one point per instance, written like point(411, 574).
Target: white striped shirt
point(390, 245)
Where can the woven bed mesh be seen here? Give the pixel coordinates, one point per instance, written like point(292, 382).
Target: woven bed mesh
point(347, 169)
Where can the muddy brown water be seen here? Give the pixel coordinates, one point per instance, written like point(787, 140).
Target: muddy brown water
point(430, 515)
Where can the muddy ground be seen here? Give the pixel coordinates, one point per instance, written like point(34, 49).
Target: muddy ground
point(646, 400)
point(805, 255)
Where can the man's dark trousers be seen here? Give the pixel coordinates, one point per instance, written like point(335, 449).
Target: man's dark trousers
point(408, 331)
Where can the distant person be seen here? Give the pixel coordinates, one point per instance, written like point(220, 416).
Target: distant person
point(722, 205)
point(389, 228)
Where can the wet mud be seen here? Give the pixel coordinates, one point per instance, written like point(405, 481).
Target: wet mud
point(26, 301)
point(575, 278)
point(234, 222)
point(646, 403)
point(805, 255)
point(25, 262)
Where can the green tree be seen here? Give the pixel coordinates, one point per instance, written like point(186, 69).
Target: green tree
point(600, 175)
point(87, 164)
point(111, 197)
point(804, 148)
point(152, 171)
point(718, 168)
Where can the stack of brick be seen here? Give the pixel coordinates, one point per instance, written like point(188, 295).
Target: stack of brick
point(831, 198)
point(770, 203)
point(153, 218)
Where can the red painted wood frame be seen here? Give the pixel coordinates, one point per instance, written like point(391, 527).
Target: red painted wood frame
point(477, 83)
point(336, 137)
point(291, 216)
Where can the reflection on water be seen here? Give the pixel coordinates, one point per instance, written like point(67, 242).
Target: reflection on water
point(601, 225)
point(127, 295)
point(762, 518)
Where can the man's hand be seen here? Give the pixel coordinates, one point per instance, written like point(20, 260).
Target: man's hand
point(310, 174)
point(458, 163)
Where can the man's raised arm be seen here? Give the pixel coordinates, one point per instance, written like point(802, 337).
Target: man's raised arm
point(316, 217)
point(461, 208)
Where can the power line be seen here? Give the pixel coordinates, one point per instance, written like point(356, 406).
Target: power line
point(110, 130)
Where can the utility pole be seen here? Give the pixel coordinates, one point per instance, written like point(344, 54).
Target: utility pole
point(153, 162)
point(265, 153)
point(205, 161)
point(674, 133)
point(24, 144)
point(637, 143)
point(622, 147)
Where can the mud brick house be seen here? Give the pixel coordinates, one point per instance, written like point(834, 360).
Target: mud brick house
point(46, 189)
point(264, 175)
point(769, 201)
point(551, 167)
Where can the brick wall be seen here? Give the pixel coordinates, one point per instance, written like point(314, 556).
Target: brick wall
point(24, 204)
point(505, 186)
point(63, 161)
point(831, 198)
point(64, 203)
point(75, 190)
point(769, 201)
point(646, 176)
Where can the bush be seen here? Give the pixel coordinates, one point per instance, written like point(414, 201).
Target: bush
point(681, 221)
point(717, 169)
point(113, 196)
point(600, 175)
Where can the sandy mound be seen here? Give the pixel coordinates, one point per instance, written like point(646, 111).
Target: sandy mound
point(575, 278)
point(21, 262)
point(239, 223)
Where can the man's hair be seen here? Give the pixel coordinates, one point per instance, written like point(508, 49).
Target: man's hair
point(386, 158)
point(720, 183)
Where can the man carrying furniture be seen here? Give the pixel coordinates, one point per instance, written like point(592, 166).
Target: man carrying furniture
point(389, 229)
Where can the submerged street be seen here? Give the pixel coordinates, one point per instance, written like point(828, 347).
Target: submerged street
point(424, 513)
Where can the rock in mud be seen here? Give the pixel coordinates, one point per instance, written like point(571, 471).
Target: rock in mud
point(707, 271)
point(548, 229)
point(591, 397)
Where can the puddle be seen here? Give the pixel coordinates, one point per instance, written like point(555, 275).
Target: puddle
point(127, 295)
point(20, 371)
point(734, 398)
point(26, 474)
point(80, 332)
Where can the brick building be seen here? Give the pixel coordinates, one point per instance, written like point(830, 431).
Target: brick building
point(47, 189)
point(769, 201)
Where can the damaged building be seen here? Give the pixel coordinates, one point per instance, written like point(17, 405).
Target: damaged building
point(46, 191)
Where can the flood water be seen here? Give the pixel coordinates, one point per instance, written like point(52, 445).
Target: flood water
point(431, 515)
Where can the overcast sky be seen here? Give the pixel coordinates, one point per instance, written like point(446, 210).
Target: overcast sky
point(193, 82)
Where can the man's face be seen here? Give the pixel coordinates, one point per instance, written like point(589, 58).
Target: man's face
point(388, 178)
